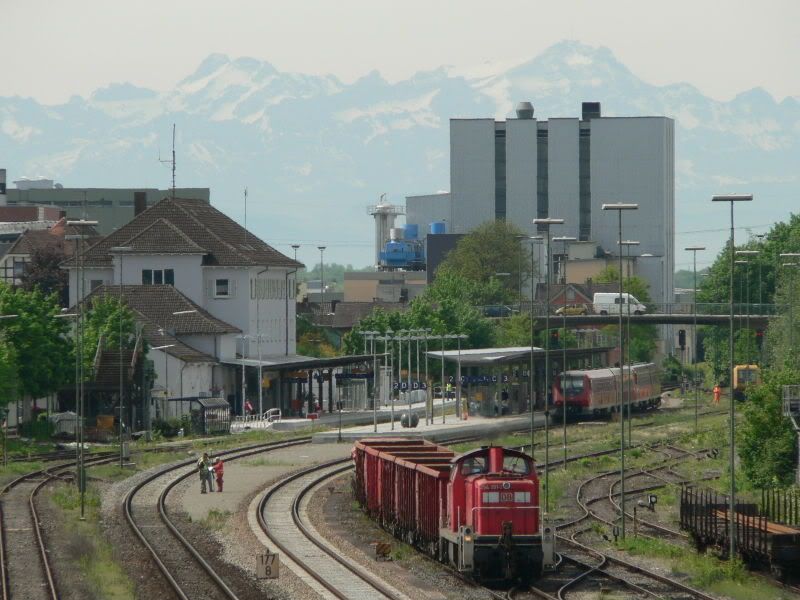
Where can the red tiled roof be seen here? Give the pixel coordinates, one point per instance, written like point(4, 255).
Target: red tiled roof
point(225, 242)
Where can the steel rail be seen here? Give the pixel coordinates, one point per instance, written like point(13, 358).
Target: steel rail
point(50, 474)
point(127, 507)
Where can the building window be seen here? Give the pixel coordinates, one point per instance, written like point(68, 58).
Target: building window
point(500, 174)
point(158, 276)
point(222, 288)
point(19, 268)
point(95, 283)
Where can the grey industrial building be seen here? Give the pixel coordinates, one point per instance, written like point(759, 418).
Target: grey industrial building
point(524, 168)
point(111, 207)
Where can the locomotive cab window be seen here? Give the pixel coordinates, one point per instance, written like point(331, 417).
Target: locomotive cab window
point(516, 464)
point(572, 384)
point(473, 465)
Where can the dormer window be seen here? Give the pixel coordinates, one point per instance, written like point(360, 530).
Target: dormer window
point(222, 288)
point(158, 277)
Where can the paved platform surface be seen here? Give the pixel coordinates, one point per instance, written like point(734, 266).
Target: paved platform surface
point(249, 475)
point(436, 432)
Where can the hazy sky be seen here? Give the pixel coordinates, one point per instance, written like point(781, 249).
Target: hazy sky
point(51, 50)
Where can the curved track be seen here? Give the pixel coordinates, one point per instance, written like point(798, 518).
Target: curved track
point(298, 541)
point(187, 573)
point(24, 557)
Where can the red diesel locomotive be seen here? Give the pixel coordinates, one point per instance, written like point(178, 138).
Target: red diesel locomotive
point(478, 512)
point(595, 391)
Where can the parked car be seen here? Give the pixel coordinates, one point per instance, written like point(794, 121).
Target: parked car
point(573, 309)
point(608, 303)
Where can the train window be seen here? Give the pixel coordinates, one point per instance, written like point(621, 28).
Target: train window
point(473, 465)
point(516, 464)
point(572, 384)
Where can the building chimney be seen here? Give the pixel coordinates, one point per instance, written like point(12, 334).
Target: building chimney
point(139, 202)
point(524, 110)
point(2, 187)
point(590, 110)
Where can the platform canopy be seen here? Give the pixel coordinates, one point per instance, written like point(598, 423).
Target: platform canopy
point(290, 362)
point(477, 357)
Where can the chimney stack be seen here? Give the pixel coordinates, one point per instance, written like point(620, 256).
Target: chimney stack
point(590, 110)
point(2, 187)
point(139, 202)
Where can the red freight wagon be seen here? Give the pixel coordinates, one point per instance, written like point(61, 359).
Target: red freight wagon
point(478, 511)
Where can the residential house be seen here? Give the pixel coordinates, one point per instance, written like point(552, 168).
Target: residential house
point(230, 293)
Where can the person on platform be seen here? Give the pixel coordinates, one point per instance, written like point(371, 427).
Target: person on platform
point(717, 393)
point(219, 469)
point(203, 464)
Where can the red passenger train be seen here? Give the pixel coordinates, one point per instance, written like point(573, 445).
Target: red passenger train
point(595, 391)
point(478, 512)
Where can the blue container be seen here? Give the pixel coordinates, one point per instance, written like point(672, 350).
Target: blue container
point(438, 227)
point(411, 231)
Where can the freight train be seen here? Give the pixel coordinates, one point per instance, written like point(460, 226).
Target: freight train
point(595, 392)
point(478, 512)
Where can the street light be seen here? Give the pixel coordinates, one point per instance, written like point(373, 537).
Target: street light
point(535, 240)
point(121, 250)
point(546, 224)
point(295, 247)
point(620, 207)
point(732, 198)
point(371, 335)
point(694, 250)
point(322, 278)
point(564, 239)
point(80, 290)
point(628, 244)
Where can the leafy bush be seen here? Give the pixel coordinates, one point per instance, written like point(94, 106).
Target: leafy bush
point(169, 428)
point(766, 440)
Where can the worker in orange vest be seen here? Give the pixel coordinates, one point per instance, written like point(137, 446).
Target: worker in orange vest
point(717, 393)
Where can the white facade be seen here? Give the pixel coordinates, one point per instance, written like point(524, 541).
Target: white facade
point(427, 209)
point(255, 302)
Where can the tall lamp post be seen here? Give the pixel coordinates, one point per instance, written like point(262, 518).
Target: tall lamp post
point(322, 278)
point(628, 244)
point(619, 207)
point(732, 199)
point(371, 336)
point(748, 253)
point(694, 250)
point(794, 256)
point(80, 226)
point(442, 386)
point(564, 239)
point(546, 224)
point(458, 337)
point(535, 240)
point(121, 250)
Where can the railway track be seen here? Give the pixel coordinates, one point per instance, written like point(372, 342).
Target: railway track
point(297, 539)
point(188, 574)
point(24, 557)
point(586, 569)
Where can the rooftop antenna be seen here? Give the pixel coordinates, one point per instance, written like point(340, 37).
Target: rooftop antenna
point(170, 162)
point(245, 215)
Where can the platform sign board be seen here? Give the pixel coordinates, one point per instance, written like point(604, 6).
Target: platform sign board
point(268, 566)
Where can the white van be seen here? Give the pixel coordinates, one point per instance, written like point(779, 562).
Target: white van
point(608, 303)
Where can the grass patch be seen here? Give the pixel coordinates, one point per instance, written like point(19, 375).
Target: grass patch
point(86, 547)
point(265, 462)
point(216, 519)
point(728, 578)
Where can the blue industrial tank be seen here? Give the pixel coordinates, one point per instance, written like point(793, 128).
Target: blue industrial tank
point(437, 227)
point(411, 231)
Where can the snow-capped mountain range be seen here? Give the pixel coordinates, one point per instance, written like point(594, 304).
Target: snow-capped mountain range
point(315, 151)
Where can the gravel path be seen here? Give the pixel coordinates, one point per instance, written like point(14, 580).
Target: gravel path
point(335, 515)
point(23, 560)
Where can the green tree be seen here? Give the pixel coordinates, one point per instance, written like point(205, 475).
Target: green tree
point(45, 273)
point(766, 440)
point(39, 340)
point(9, 380)
point(107, 317)
point(492, 248)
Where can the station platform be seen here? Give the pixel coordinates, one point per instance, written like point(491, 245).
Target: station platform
point(439, 431)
